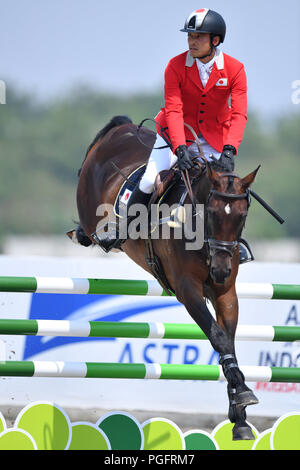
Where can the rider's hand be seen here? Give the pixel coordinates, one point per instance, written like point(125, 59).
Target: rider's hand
point(226, 160)
point(184, 157)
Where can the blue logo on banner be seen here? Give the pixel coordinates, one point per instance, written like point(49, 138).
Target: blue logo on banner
point(75, 307)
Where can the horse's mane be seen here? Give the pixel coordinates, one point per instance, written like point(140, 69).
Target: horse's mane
point(114, 122)
point(119, 120)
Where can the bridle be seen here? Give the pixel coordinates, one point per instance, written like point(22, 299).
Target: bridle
point(213, 244)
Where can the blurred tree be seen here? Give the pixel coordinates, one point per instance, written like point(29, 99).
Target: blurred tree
point(43, 145)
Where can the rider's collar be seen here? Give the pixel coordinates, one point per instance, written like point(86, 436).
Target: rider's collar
point(208, 66)
point(218, 58)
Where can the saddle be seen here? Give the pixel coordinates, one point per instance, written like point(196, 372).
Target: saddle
point(165, 180)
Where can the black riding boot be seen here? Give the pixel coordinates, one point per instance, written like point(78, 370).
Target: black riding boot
point(137, 197)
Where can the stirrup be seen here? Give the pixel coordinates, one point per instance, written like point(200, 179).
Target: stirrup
point(108, 244)
point(246, 254)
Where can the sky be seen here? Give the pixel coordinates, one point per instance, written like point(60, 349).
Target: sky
point(49, 46)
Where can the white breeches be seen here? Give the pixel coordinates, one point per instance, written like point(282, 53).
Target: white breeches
point(164, 159)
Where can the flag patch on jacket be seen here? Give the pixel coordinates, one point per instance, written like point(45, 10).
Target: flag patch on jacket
point(222, 82)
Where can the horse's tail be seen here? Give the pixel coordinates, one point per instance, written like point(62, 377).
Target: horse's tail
point(114, 122)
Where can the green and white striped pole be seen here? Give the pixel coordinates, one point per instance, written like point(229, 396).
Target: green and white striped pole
point(142, 371)
point(140, 330)
point(69, 285)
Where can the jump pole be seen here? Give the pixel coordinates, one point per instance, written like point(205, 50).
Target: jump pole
point(139, 330)
point(69, 285)
point(142, 371)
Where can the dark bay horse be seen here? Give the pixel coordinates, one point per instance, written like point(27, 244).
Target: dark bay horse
point(193, 275)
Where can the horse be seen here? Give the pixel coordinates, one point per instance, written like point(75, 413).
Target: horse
point(194, 275)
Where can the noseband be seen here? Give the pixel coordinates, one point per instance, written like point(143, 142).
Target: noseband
point(215, 245)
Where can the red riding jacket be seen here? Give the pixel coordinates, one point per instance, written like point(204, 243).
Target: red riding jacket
point(207, 109)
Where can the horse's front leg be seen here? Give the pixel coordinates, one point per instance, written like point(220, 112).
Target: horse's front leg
point(190, 294)
point(239, 395)
point(221, 338)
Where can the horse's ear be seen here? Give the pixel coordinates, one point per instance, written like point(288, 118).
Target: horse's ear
point(212, 174)
point(248, 180)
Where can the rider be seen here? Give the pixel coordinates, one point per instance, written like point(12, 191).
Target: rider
point(199, 84)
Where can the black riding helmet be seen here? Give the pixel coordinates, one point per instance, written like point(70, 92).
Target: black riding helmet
point(205, 21)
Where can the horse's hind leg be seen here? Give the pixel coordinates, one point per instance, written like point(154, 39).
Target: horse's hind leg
point(222, 341)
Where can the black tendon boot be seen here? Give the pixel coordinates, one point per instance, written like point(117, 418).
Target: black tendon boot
point(239, 395)
point(137, 197)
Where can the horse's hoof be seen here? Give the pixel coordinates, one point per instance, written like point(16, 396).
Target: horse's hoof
point(242, 433)
point(246, 398)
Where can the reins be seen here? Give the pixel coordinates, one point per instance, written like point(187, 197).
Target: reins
point(164, 135)
point(185, 174)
